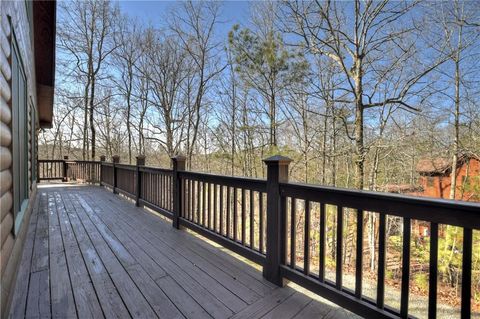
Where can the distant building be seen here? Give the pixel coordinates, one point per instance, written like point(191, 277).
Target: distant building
point(435, 177)
point(435, 181)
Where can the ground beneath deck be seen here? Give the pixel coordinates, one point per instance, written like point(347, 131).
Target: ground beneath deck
point(90, 253)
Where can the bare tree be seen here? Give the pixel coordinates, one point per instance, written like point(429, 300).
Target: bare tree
point(195, 25)
point(86, 33)
point(358, 37)
point(460, 34)
point(126, 58)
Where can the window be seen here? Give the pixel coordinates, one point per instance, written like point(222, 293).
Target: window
point(429, 181)
point(19, 135)
point(33, 146)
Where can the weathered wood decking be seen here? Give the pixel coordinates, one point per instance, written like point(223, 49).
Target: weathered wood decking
point(91, 254)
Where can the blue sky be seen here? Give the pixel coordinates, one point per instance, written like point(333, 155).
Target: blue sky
point(153, 12)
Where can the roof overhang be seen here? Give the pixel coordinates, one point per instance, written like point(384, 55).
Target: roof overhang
point(44, 21)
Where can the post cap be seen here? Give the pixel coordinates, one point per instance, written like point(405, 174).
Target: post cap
point(116, 158)
point(65, 157)
point(178, 158)
point(140, 160)
point(280, 159)
point(102, 158)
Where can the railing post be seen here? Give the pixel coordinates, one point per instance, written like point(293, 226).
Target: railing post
point(115, 160)
point(65, 168)
point(178, 164)
point(277, 172)
point(102, 160)
point(138, 188)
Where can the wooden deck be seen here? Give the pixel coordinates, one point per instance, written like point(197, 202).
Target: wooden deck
point(92, 254)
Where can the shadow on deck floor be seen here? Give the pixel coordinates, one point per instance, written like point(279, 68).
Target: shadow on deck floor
point(92, 254)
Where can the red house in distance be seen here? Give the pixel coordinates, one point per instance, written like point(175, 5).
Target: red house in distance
point(435, 177)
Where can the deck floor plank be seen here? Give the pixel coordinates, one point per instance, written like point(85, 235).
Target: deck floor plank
point(202, 296)
point(135, 301)
point(239, 282)
point(63, 302)
point(38, 296)
point(92, 254)
point(183, 301)
point(163, 307)
point(289, 308)
point(38, 300)
point(228, 298)
point(19, 299)
point(86, 300)
point(108, 296)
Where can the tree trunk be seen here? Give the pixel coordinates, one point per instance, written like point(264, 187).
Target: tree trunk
point(359, 146)
point(453, 175)
point(92, 123)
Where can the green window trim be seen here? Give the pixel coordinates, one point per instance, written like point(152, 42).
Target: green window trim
point(20, 134)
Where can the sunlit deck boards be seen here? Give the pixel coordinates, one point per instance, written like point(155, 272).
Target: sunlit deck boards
point(91, 254)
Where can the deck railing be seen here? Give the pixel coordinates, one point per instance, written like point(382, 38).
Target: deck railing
point(51, 169)
point(84, 171)
point(260, 220)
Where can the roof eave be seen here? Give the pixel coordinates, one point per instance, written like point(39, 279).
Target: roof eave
point(44, 19)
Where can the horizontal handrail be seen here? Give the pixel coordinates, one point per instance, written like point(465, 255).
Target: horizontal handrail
point(255, 184)
point(442, 211)
point(155, 170)
point(126, 167)
point(51, 161)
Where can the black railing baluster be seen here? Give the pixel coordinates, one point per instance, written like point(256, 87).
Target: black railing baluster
point(433, 272)
point(138, 190)
point(199, 203)
point(162, 198)
point(115, 160)
point(359, 255)
point(339, 253)
point(209, 201)
point(215, 205)
point(321, 264)
point(252, 221)
point(228, 202)
point(467, 273)
point(186, 195)
point(221, 210)
point(235, 213)
point(293, 232)
point(190, 199)
point(260, 227)
point(185, 198)
point(381, 262)
point(407, 229)
point(243, 217)
point(204, 206)
point(283, 230)
point(306, 240)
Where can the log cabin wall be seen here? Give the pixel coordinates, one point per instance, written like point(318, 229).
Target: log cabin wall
point(16, 106)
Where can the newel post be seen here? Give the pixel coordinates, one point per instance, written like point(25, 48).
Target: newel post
point(138, 188)
point(65, 168)
point(102, 160)
point(178, 164)
point(115, 160)
point(277, 172)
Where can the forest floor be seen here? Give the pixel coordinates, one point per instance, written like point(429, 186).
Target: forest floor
point(418, 302)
